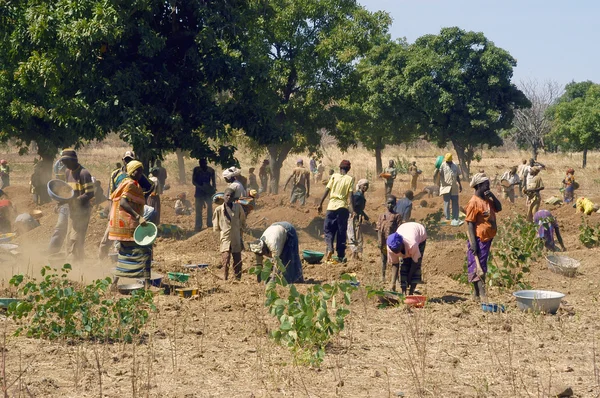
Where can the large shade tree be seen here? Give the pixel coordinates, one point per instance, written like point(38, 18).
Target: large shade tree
point(378, 113)
point(460, 83)
point(576, 118)
point(302, 57)
point(154, 71)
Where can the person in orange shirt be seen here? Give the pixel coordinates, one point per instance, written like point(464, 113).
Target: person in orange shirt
point(481, 228)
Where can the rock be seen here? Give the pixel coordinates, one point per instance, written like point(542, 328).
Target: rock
point(563, 392)
point(569, 369)
point(377, 373)
point(340, 383)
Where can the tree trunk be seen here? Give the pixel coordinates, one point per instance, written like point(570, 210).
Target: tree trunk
point(584, 158)
point(534, 151)
point(180, 166)
point(277, 154)
point(46, 164)
point(378, 161)
point(464, 160)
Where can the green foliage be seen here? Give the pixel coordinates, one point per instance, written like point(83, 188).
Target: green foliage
point(589, 235)
point(432, 223)
point(460, 82)
point(515, 248)
point(576, 117)
point(54, 308)
point(307, 322)
point(384, 296)
point(402, 164)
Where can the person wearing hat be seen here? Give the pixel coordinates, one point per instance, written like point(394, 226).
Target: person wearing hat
point(128, 200)
point(406, 244)
point(116, 177)
point(509, 179)
point(481, 230)
point(359, 202)
point(229, 219)
point(280, 242)
point(204, 179)
point(264, 173)
point(569, 186)
point(339, 189)
point(450, 187)
point(532, 190)
point(389, 181)
point(79, 208)
point(547, 228)
point(230, 176)
point(4, 173)
point(301, 183)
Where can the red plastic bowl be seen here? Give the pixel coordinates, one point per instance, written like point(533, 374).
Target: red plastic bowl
point(415, 301)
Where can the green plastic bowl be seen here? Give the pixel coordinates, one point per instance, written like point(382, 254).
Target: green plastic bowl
point(439, 161)
point(145, 235)
point(312, 257)
point(4, 302)
point(178, 276)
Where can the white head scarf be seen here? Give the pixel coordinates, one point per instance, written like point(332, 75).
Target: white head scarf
point(229, 173)
point(361, 182)
point(478, 179)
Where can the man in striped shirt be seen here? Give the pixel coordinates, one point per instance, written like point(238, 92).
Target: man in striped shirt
point(80, 208)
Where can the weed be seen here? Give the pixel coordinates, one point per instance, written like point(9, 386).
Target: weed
point(307, 322)
point(59, 309)
point(432, 225)
point(401, 164)
point(589, 235)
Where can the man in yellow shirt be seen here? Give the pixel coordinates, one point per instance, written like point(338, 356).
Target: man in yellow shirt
point(339, 190)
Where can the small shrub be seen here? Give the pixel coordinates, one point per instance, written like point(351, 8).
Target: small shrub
point(307, 322)
point(402, 164)
point(589, 235)
point(432, 223)
point(57, 308)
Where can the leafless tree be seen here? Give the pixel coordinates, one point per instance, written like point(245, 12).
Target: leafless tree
point(532, 125)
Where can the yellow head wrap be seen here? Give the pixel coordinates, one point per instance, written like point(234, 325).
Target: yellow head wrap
point(133, 166)
point(448, 157)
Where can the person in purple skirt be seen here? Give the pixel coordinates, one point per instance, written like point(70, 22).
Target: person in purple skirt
point(481, 227)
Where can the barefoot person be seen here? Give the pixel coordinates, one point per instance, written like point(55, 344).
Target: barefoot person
point(79, 208)
point(548, 226)
point(280, 242)
point(387, 224)
point(569, 186)
point(509, 179)
point(359, 203)
point(229, 219)
point(339, 189)
point(300, 178)
point(407, 244)
point(481, 229)
point(532, 190)
point(134, 261)
point(389, 181)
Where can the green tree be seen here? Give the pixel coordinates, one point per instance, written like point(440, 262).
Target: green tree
point(460, 84)
point(378, 112)
point(155, 71)
point(576, 118)
point(300, 63)
point(47, 60)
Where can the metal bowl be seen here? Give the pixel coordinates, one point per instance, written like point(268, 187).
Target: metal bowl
point(129, 288)
point(538, 300)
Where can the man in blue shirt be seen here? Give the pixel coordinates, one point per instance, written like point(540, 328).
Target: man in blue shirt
point(404, 206)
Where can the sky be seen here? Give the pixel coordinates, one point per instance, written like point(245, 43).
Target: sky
point(551, 39)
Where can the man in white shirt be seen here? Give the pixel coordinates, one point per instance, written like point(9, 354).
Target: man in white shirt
point(450, 187)
point(280, 241)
